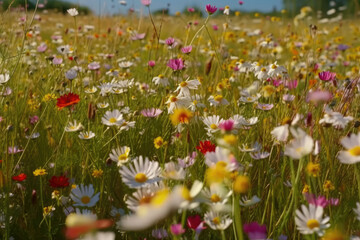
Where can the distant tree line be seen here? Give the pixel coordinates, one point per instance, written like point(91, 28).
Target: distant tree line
point(57, 5)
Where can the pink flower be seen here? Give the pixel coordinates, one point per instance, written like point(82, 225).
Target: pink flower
point(227, 125)
point(255, 231)
point(176, 64)
point(151, 63)
point(170, 41)
point(57, 61)
point(292, 84)
point(146, 2)
point(210, 9)
point(318, 95)
point(94, 66)
point(215, 27)
point(241, 2)
point(138, 36)
point(191, 10)
point(327, 76)
point(151, 112)
point(320, 200)
point(195, 223)
point(177, 229)
point(42, 47)
point(186, 49)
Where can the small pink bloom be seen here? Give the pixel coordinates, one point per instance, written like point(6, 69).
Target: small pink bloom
point(227, 125)
point(151, 112)
point(170, 41)
point(255, 231)
point(318, 95)
point(57, 61)
point(191, 10)
point(327, 76)
point(210, 9)
point(176, 64)
point(151, 63)
point(146, 2)
point(215, 27)
point(177, 229)
point(292, 84)
point(241, 2)
point(186, 49)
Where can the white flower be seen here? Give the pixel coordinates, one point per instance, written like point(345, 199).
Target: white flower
point(73, 127)
point(140, 173)
point(300, 146)
point(173, 171)
point(86, 135)
point(4, 78)
point(125, 64)
point(120, 155)
point(161, 80)
point(175, 102)
point(227, 10)
point(221, 155)
point(212, 123)
point(143, 196)
point(114, 118)
point(191, 201)
point(281, 133)
point(311, 220)
point(99, 236)
point(336, 119)
point(352, 153)
point(217, 220)
point(84, 196)
point(73, 12)
point(217, 100)
point(217, 193)
point(102, 105)
point(248, 202)
point(185, 86)
point(357, 211)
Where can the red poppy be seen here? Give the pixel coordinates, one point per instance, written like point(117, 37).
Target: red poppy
point(67, 100)
point(206, 146)
point(21, 177)
point(59, 182)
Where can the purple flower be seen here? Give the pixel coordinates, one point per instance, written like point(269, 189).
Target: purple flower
point(57, 61)
point(176, 64)
point(94, 66)
point(210, 9)
point(343, 47)
point(327, 76)
point(151, 112)
point(187, 161)
point(170, 41)
point(7, 91)
point(71, 74)
point(159, 233)
point(33, 120)
point(318, 95)
point(42, 47)
point(255, 231)
point(177, 229)
point(186, 49)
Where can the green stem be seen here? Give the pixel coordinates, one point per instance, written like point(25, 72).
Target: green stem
point(237, 217)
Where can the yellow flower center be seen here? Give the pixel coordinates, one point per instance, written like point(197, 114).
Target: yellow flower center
point(85, 199)
point(161, 76)
point(218, 98)
point(140, 178)
point(160, 197)
point(355, 151)
point(273, 66)
point(213, 126)
point(173, 99)
point(313, 223)
point(215, 198)
point(263, 69)
point(183, 84)
point(185, 194)
point(112, 120)
point(195, 102)
point(216, 220)
point(145, 200)
point(122, 157)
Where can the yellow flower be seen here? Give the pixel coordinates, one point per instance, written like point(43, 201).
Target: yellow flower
point(313, 169)
point(39, 172)
point(334, 234)
point(48, 210)
point(217, 173)
point(306, 188)
point(49, 97)
point(328, 186)
point(159, 142)
point(181, 115)
point(97, 173)
point(268, 90)
point(241, 184)
point(230, 139)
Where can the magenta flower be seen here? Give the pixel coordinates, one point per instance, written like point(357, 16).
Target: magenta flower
point(170, 41)
point(33, 120)
point(176, 64)
point(292, 84)
point(186, 49)
point(227, 125)
point(327, 76)
point(177, 229)
point(241, 2)
point(210, 9)
point(195, 223)
point(151, 63)
point(146, 2)
point(191, 10)
point(151, 112)
point(320, 200)
point(255, 231)
point(215, 27)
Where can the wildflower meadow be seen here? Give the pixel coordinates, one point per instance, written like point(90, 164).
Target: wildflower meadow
point(220, 125)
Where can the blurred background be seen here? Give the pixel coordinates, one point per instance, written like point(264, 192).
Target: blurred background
point(321, 8)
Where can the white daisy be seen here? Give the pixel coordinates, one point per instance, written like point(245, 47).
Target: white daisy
point(84, 196)
point(212, 123)
point(221, 155)
point(86, 135)
point(73, 12)
point(352, 153)
point(173, 171)
point(102, 105)
point(185, 86)
point(161, 80)
point(175, 102)
point(73, 127)
point(114, 118)
point(143, 196)
point(141, 173)
point(120, 155)
point(217, 100)
point(300, 146)
point(217, 220)
point(4, 78)
point(311, 220)
point(245, 202)
point(217, 193)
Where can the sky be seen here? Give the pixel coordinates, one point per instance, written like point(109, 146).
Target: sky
point(113, 6)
